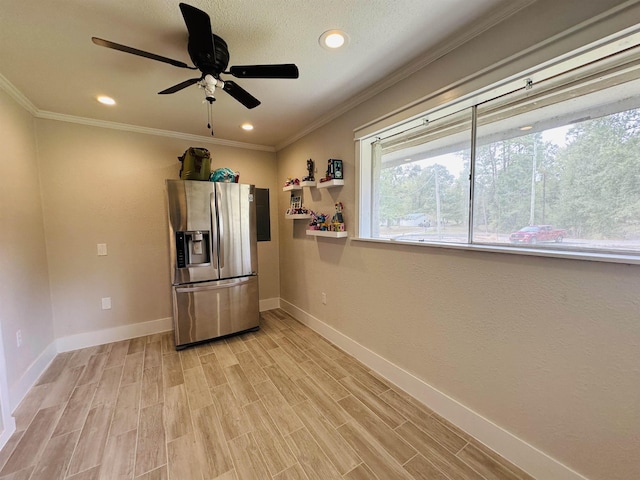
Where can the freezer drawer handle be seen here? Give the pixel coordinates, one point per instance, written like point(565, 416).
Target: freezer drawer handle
point(209, 287)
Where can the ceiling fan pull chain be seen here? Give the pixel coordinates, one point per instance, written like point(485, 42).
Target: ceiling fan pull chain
point(210, 55)
point(209, 107)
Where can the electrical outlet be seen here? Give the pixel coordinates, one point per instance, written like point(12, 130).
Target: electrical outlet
point(19, 338)
point(324, 298)
point(106, 303)
point(102, 249)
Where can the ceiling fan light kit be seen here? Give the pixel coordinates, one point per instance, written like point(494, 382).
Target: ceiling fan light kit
point(209, 85)
point(210, 55)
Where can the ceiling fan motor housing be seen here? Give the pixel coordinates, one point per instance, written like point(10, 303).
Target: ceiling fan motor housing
point(204, 61)
point(210, 54)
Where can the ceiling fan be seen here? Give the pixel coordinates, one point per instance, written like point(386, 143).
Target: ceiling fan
point(210, 55)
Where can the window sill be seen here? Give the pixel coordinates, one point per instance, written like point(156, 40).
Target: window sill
point(537, 252)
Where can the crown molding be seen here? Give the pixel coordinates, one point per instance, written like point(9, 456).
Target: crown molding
point(150, 131)
point(493, 18)
point(17, 95)
point(454, 41)
point(25, 103)
point(466, 86)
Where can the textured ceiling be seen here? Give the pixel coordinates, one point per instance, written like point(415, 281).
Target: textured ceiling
point(46, 53)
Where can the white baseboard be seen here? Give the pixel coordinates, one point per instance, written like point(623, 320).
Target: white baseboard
point(520, 453)
point(8, 423)
point(9, 430)
point(115, 334)
point(269, 304)
point(18, 390)
point(124, 332)
point(93, 338)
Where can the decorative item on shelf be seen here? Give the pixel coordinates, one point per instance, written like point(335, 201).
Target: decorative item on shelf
point(321, 226)
point(296, 208)
point(337, 168)
point(310, 169)
point(318, 221)
point(337, 221)
point(295, 202)
point(334, 170)
point(292, 181)
point(298, 211)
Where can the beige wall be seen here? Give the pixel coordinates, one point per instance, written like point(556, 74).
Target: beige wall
point(553, 360)
point(545, 348)
point(107, 186)
point(24, 292)
point(65, 187)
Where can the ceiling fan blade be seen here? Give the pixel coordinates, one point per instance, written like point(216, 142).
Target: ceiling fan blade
point(201, 49)
point(285, 70)
point(179, 86)
point(140, 53)
point(240, 94)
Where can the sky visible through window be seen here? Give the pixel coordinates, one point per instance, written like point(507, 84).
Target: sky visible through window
point(540, 178)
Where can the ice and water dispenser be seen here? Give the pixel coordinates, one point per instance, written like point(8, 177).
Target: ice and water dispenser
point(193, 248)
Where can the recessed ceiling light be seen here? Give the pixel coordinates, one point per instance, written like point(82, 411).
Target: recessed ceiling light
point(332, 39)
point(247, 126)
point(106, 100)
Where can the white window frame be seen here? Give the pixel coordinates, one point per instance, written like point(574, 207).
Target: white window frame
point(429, 110)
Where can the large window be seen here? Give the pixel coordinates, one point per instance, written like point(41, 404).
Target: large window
point(553, 165)
point(421, 182)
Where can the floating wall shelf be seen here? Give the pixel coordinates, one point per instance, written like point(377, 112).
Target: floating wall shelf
point(330, 183)
point(288, 188)
point(326, 233)
point(297, 216)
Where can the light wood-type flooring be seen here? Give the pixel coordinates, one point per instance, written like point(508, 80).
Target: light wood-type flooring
point(281, 403)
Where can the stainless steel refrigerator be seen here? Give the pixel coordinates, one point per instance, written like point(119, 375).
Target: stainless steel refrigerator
point(214, 272)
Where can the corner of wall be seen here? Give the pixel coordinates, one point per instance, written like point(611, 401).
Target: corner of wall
point(269, 304)
point(21, 387)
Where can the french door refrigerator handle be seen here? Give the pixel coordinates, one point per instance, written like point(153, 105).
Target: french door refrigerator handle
point(210, 287)
point(219, 214)
point(215, 237)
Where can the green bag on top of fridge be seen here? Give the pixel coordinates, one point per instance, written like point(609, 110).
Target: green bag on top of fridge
point(196, 164)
